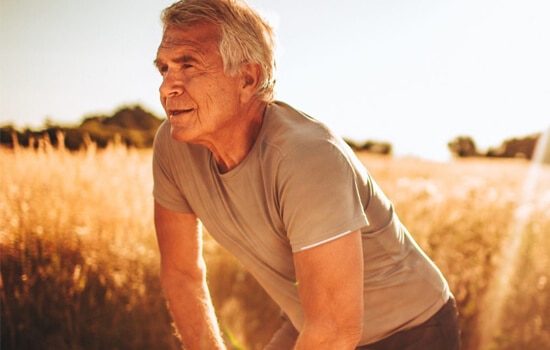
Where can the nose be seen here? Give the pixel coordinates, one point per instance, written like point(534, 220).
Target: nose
point(171, 85)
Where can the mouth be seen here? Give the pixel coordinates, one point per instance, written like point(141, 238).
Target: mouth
point(177, 112)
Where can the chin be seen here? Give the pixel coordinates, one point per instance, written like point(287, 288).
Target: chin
point(178, 134)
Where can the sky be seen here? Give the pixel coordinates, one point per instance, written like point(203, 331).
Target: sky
point(414, 73)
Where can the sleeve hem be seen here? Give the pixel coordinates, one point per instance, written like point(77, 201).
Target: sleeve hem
point(305, 246)
point(177, 208)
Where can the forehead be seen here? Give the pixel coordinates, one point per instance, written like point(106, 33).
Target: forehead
point(202, 37)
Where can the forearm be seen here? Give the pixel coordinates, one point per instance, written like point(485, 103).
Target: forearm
point(193, 313)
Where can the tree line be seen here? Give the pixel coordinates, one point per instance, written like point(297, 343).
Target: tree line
point(134, 126)
point(131, 125)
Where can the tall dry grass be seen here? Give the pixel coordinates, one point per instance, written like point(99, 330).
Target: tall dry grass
point(464, 214)
point(78, 254)
point(79, 262)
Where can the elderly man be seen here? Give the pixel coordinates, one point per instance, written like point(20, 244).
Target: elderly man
point(283, 194)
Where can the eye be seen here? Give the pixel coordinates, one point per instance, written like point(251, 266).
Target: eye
point(187, 62)
point(161, 67)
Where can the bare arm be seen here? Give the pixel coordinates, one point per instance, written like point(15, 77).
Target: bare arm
point(330, 284)
point(183, 278)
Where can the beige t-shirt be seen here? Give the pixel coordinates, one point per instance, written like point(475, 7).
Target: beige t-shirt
point(301, 186)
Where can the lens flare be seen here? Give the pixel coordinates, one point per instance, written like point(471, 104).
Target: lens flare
point(500, 287)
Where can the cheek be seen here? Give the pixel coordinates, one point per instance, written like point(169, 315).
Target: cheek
point(225, 92)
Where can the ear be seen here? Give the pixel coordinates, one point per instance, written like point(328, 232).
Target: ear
point(251, 74)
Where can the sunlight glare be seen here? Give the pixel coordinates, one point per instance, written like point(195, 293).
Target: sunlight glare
point(499, 289)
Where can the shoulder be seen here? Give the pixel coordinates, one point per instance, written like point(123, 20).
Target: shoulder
point(303, 144)
point(295, 133)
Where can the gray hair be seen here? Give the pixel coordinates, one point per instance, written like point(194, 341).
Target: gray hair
point(245, 35)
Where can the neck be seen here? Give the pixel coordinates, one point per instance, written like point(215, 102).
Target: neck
point(236, 142)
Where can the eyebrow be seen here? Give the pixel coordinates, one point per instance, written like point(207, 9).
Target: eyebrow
point(182, 59)
point(157, 63)
point(186, 59)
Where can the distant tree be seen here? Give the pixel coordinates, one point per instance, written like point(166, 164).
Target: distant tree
point(463, 146)
point(353, 144)
point(377, 147)
point(132, 125)
point(516, 148)
point(6, 132)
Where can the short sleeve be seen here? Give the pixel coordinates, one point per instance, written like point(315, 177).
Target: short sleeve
point(319, 196)
point(165, 189)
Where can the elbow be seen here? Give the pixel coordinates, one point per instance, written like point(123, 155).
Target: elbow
point(353, 334)
point(348, 337)
point(351, 331)
point(173, 278)
point(350, 326)
point(334, 335)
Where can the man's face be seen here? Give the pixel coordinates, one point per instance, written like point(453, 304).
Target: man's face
point(199, 99)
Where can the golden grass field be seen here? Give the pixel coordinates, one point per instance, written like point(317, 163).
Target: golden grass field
point(79, 261)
